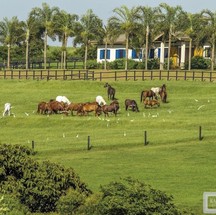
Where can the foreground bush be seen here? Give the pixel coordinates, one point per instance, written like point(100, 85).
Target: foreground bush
point(37, 186)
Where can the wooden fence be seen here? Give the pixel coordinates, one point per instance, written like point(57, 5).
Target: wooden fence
point(108, 75)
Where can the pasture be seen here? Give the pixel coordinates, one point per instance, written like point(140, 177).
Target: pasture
point(175, 160)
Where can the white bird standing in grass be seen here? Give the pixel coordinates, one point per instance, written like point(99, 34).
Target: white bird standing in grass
point(125, 134)
point(77, 135)
point(63, 135)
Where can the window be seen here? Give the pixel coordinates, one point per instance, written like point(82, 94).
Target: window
point(102, 54)
point(120, 53)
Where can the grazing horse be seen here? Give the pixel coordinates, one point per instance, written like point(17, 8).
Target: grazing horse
point(44, 108)
point(56, 107)
point(163, 95)
point(156, 90)
point(63, 99)
point(110, 91)
point(100, 100)
point(74, 107)
point(129, 103)
point(89, 107)
point(147, 93)
point(151, 103)
point(7, 108)
point(113, 108)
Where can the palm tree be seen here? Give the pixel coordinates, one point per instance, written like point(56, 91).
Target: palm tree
point(89, 30)
point(31, 31)
point(108, 36)
point(148, 17)
point(210, 18)
point(64, 25)
point(125, 21)
point(171, 20)
point(45, 16)
point(10, 31)
point(195, 33)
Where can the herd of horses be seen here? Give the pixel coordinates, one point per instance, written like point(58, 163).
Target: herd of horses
point(61, 104)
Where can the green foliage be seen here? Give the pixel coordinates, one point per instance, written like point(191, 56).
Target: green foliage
point(10, 204)
point(71, 202)
point(38, 186)
point(130, 196)
point(92, 64)
point(198, 62)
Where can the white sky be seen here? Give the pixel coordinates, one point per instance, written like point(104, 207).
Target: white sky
point(102, 8)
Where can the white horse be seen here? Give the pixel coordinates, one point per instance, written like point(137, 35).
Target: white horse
point(156, 90)
point(7, 108)
point(100, 100)
point(63, 99)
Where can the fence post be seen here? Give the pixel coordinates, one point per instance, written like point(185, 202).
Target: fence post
point(88, 144)
point(145, 138)
point(200, 133)
point(33, 144)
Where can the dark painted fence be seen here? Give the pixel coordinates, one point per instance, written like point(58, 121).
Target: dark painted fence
point(108, 75)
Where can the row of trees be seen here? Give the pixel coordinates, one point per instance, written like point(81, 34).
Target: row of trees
point(140, 25)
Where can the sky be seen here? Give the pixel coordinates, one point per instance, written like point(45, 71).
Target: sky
point(102, 8)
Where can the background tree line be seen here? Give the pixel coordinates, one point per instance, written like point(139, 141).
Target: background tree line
point(140, 25)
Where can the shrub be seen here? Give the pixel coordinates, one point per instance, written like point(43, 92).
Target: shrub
point(37, 185)
point(130, 196)
point(198, 62)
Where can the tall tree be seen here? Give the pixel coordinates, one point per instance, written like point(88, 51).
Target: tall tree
point(32, 33)
point(64, 25)
point(109, 36)
point(45, 16)
point(89, 30)
point(125, 20)
point(10, 34)
point(210, 18)
point(171, 21)
point(148, 18)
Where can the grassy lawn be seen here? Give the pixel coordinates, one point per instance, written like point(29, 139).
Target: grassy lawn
point(175, 160)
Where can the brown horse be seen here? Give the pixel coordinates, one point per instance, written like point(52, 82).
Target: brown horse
point(89, 107)
point(56, 107)
point(110, 91)
point(113, 108)
point(44, 108)
point(74, 107)
point(147, 94)
point(151, 103)
point(163, 95)
point(130, 103)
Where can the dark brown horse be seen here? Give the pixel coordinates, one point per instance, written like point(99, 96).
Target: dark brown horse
point(113, 108)
point(56, 107)
point(147, 94)
point(163, 95)
point(110, 92)
point(130, 103)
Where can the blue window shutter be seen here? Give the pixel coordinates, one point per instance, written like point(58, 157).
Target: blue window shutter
point(117, 54)
point(134, 54)
point(108, 54)
point(124, 53)
point(151, 53)
point(159, 52)
point(101, 54)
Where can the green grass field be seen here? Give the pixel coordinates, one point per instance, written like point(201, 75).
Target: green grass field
point(175, 160)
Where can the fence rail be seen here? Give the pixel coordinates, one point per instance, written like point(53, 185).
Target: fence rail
point(108, 75)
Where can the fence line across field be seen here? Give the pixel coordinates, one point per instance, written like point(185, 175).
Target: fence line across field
point(108, 75)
